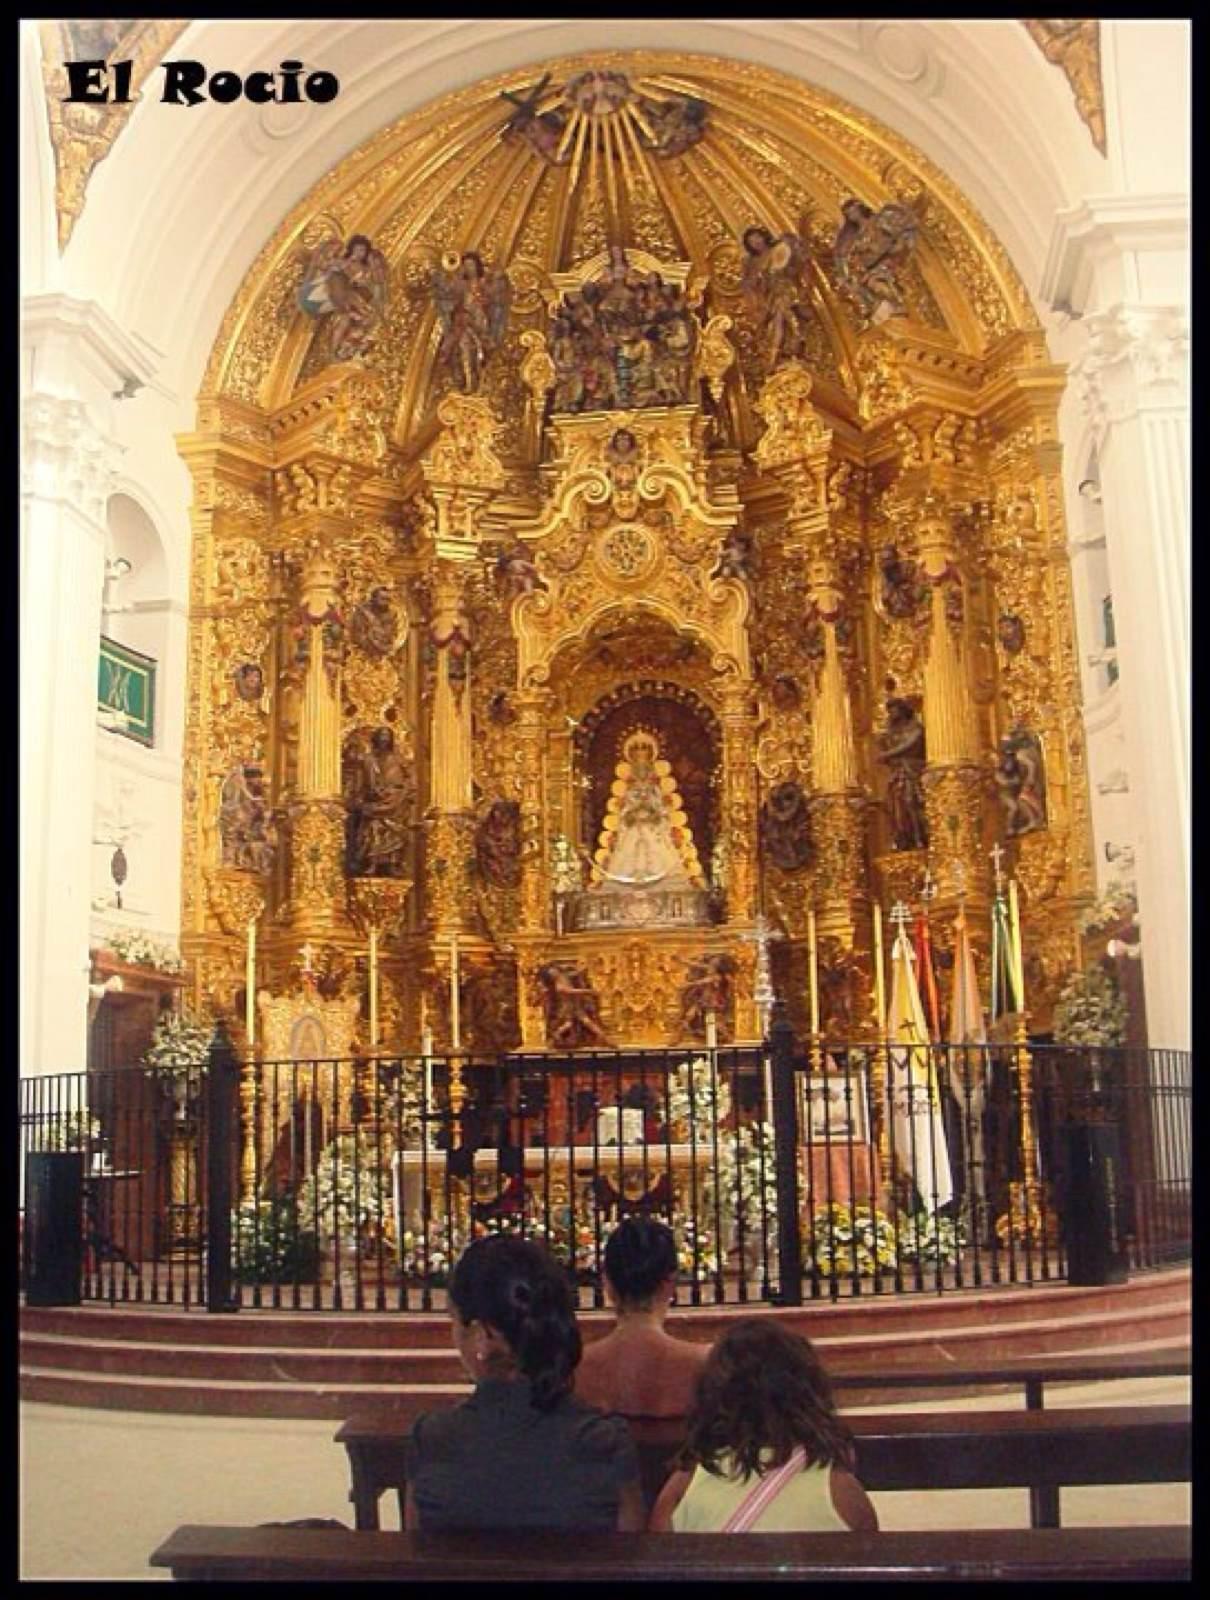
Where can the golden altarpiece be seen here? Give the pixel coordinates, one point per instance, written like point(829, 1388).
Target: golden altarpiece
point(536, 676)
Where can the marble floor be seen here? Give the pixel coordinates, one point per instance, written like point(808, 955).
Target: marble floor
point(101, 1489)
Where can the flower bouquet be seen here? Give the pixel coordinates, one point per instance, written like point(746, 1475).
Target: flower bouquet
point(842, 1241)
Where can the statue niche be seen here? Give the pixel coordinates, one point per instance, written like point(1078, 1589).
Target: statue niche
point(378, 792)
point(647, 870)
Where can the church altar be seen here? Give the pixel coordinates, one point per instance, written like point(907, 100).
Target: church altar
point(612, 606)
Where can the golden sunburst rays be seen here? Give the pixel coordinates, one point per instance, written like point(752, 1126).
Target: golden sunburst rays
point(604, 128)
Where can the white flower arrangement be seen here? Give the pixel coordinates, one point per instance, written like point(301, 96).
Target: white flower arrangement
point(1117, 903)
point(1090, 1010)
point(698, 1098)
point(140, 950)
point(350, 1189)
point(930, 1240)
point(180, 1046)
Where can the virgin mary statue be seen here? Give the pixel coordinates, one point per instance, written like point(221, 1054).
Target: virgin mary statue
point(646, 867)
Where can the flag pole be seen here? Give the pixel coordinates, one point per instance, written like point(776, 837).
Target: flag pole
point(878, 1066)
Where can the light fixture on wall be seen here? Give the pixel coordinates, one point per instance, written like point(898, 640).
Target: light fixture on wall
point(1090, 490)
point(130, 387)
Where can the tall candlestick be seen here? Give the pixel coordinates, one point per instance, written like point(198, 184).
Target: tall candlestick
point(455, 1016)
point(879, 974)
point(426, 1054)
point(711, 1031)
point(373, 986)
point(813, 972)
point(250, 989)
point(1014, 912)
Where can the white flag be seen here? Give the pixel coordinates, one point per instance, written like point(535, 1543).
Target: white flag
point(916, 1120)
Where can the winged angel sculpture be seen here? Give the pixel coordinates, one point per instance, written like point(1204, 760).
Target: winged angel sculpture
point(870, 248)
point(472, 302)
point(347, 282)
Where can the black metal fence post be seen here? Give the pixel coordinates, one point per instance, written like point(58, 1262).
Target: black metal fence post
point(222, 1099)
point(785, 1161)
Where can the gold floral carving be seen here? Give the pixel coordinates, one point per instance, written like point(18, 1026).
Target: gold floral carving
point(236, 898)
point(954, 805)
point(450, 894)
point(317, 843)
point(316, 485)
point(80, 134)
point(838, 829)
point(1041, 859)
point(377, 903)
point(715, 355)
point(1075, 47)
point(464, 453)
point(793, 427)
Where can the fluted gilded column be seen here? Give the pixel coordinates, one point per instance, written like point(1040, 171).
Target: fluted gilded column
point(954, 779)
point(461, 472)
point(318, 834)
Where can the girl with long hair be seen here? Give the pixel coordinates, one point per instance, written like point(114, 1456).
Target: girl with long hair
point(765, 1450)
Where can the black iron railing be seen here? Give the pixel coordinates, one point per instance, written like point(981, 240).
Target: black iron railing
point(786, 1172)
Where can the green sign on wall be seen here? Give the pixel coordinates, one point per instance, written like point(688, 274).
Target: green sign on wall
point(126, 685)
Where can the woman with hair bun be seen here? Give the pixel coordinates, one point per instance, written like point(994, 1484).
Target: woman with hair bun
point(638, 1368)
point(765, 1450)
point(522, 1452)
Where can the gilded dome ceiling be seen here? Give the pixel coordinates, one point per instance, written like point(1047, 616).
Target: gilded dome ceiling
point(543, 169)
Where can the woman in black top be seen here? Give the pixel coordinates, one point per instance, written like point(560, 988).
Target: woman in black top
point(522, 1452)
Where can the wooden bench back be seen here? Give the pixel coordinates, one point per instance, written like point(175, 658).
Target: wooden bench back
point(260, 1554)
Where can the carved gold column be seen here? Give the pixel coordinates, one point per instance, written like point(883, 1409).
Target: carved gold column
point(317, 899)
point(795, 450)
point(238, 899)
point(954, 780)
point(462, 472)
point(451, 831)
point(738, 720)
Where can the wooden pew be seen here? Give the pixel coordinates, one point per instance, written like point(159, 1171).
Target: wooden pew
point(1039, 1450)
point(1031, 1375)
point(1047, 1554)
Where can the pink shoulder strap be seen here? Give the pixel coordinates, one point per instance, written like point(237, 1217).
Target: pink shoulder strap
point(763, 1493)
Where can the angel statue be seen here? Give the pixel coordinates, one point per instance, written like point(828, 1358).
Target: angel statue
point(472, 302)
point(774, 285)
point(869, 249)
point(349, 284)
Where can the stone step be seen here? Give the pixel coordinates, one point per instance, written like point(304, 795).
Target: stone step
point(420, 1330)
point(272, 1364)
point(258, 1364)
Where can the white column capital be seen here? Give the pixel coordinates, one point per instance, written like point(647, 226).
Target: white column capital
point(65, 456)
point(1137, 360)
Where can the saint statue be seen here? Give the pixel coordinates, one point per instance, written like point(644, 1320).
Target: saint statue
point(1021, 783)
point(246, 824)
point(902, 751)
point(646, 840)
point(378, 795)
